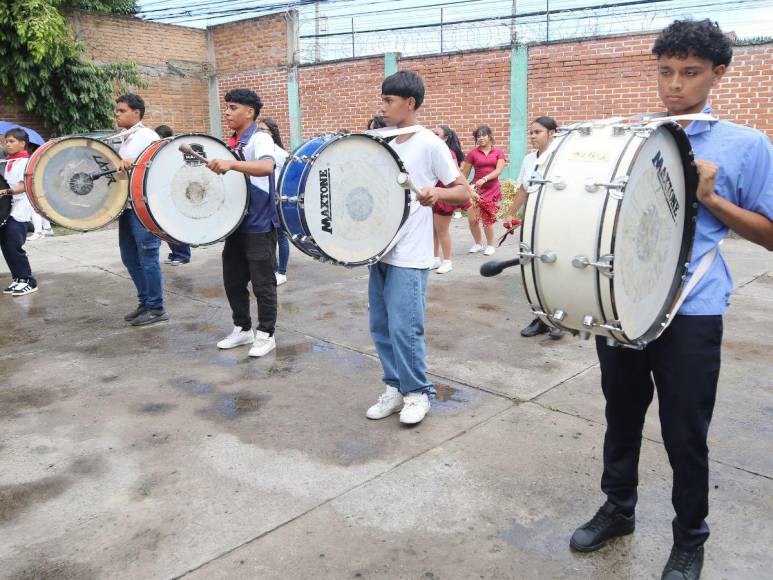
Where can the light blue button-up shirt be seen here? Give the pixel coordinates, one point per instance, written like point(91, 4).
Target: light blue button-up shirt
point(745, 177)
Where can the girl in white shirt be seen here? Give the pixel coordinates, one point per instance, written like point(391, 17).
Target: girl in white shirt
point(280, 156)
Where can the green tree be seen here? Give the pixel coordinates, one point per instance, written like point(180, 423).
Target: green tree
point(42, 65)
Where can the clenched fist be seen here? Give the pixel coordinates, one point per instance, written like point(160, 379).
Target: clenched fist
point(707, 175)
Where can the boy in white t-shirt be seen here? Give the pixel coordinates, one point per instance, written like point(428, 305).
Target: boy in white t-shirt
point(398, 283)
point(13, 234)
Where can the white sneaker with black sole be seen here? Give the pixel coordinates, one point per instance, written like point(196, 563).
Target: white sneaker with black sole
point(23, 288)
point(238, 337)
point(11, 287)
point(389, 402)
point(415, 408)
point(263, 344)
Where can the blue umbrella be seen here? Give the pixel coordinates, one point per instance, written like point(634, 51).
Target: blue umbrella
point(35, 137)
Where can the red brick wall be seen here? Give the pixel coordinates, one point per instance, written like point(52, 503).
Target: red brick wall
point(607, 77)
point(252, 54)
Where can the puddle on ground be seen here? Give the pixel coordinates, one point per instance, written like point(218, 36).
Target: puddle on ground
point(43, 569)
point(15, 401)
point(193, 387)
point(156, 408)
point(234, 406)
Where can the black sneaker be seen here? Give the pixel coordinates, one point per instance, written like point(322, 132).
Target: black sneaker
point(12, 287)
point(150, 316)
point(555, 333)
point(134, 313)
point(608, 523)
point(536, 327)
point(683, 564)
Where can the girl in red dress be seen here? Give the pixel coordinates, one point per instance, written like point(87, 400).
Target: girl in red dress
point(442, 211)
point(488, 162)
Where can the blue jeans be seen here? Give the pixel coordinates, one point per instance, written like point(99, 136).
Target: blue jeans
point(397, 300)
point(139, 253)
point(179, 252)
point(284, 251)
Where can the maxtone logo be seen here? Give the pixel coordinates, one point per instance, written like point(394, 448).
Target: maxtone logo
point(665, 185)
point(324, 201)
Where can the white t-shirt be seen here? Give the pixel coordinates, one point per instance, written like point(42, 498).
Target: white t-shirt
point(527, 169)
point(428, 161)
point(134, 144)
point(259, 145)
point(21, 208)
point(280, 155)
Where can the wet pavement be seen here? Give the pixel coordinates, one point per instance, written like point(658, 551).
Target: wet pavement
point(148, 453)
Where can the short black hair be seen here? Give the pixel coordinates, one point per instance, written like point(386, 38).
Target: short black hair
point(701, 38)
point(483, 130)
point(164, 131)
point(405, 84)
point(18, 134)
point(246, 97)
point(548, 122)
point(134, 102)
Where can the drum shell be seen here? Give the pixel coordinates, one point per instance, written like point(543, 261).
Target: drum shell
point(567, 296)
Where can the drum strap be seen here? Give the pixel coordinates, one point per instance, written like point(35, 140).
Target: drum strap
point(387, 132)
point(703, 266)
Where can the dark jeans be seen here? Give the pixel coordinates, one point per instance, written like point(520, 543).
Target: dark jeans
point(284, 251)
point(180, 252)
point(684, 363)
point(250, 258)
point(13, 236)
point(139, 253)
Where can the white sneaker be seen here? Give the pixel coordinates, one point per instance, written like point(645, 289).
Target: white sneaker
point(435, 263)
point(489, 251)
point(22, 289)
point(34, 236)
point(475, 249)
point(415, 408)
point(238, 337)
point(445, 267)
point(263, 344)
point(390, 401)
point(281, 279)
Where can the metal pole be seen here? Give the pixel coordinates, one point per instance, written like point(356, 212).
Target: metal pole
point(441, 30)
point(316, 31)
point(352, 37)
point(513, 32)
point(547, 21)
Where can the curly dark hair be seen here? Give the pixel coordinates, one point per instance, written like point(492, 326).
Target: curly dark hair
point(246, 97)
point(701, 38)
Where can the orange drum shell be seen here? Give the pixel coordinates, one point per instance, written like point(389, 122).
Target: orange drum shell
point(137, 191)
point(29, 170)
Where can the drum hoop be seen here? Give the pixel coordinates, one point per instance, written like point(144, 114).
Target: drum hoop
point(302, 194)
point(688, 231)
point(542, 187)
point(137, 183)
point(160, 144)
point(599, 229)
point(29, 180)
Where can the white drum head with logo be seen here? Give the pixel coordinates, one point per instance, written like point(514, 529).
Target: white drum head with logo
point(650, 233)
point(353, 205)
point(188, 201)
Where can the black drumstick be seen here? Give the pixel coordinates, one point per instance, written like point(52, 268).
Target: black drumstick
point(495, 267)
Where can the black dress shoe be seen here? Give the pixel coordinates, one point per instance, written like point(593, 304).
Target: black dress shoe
point(608, 523)
point(135, 313)
point(536, 327)
point(555, 333)
point(683, 564)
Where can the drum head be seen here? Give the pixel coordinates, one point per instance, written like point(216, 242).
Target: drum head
point(353, 206)
point(651, 235)
point(62, 183)
point(189, 202)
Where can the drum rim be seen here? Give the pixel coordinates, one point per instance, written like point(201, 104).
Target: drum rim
point(160, 144)
point(688, 234)
point(137, 180)
point(29, 180)
point(327, 140)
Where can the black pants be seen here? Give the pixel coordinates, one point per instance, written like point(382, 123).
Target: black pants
point(13, 236)
point(684, 363)
point(251, 258)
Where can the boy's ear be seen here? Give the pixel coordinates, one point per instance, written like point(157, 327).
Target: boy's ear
point(411, 103)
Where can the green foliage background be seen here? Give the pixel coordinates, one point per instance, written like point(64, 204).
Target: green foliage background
point(42, 65)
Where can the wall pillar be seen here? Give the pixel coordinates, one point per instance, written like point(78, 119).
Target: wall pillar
point(519, 108)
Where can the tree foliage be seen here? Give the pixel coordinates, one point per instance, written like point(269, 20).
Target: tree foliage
point(42, 65)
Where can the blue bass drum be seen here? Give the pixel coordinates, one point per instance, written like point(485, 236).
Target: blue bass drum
point(339, 200)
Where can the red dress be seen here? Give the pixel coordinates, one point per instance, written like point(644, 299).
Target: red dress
point(490, 193)
point(447, 209)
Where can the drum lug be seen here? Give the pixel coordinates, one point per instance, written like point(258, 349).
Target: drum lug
point(588, 322)
point(619, 183)
point(558, 315)
point(585, 130)
point(611, 325)
point(618, 130)
point(525, 253)
point(289, 199)
point(605, 264)
point(537, 311)
point(548, 257)
point(557, 182)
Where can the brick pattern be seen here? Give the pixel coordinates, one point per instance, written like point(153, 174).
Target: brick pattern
point(271, 86)
point(250, 44)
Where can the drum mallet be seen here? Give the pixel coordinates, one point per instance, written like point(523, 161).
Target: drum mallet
point(404, 180)
point(494, 268)
point(188, 150)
